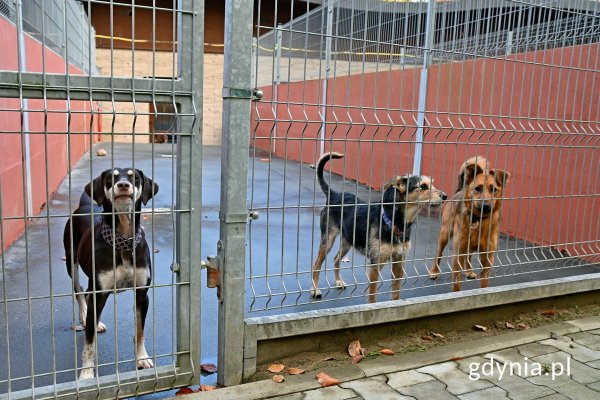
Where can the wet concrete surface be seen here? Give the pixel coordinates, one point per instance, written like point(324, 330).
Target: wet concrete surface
point(37, 308)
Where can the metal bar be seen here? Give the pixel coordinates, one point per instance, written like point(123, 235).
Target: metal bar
point(131, 384)
point(189, 195)
point(276, 82)
point(275, 327)
point(234, 167)
point(81, 87)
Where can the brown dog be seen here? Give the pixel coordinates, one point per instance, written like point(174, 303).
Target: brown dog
point(472, 218)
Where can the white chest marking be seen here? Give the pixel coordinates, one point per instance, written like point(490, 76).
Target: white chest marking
point(123, 276)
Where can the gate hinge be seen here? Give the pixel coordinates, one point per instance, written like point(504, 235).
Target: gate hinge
point(213, 265)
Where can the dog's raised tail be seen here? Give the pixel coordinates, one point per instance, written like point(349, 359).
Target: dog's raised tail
point(321, 166)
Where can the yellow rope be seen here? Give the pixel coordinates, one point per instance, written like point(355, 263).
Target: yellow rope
point(122, 39)
point(129, 40)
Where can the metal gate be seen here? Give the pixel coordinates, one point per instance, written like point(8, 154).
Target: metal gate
point(401, 87)
point(58, 95)
point(397, 87)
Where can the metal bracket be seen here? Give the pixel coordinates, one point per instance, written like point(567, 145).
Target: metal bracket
point(238, 218)
point(239, 93)
point(175, 267)
point(213, 265)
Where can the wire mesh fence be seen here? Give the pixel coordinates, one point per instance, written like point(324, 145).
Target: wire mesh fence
point(74, 107)
point(388, 35)
point(419, 87)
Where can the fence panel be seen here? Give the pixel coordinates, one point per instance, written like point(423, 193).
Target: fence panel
point(418, 87)
point(59, 95)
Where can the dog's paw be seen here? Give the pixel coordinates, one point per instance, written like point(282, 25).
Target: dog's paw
point(86, 373)
point(434, 275)
point(144, 363)
point(340, 284)
point(101, 327)
point(316, 293)
point(471, 275)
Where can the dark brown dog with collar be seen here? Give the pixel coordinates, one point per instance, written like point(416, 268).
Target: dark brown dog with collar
point(113, 255)
point(472, 218)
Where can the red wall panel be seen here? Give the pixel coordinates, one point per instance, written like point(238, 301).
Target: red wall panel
point(48, 137)
point(534, 114)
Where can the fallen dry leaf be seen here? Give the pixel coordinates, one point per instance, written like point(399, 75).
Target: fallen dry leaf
point(480, 328)
point(296, 371)
point(210, 368)
point(264, 160)
point(326, 380)
point(387, 352)
point(346, 259)
point(145, 217)
point(510, 326)
point(278, 378)
point(184, 391)
point(427, 337)
point(156, 249)
point(76, 328)
point(207, 388)
point(64, 258)
point(356, 358)
point(437, 335)
point(354, 349)
point(101, 152)
point(549, 312)
point(328, 359)
point(456, 358)
point(523, 326)
point(276, 368)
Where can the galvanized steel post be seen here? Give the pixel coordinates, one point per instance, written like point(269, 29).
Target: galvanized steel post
point(237, 94)
point(189, 179)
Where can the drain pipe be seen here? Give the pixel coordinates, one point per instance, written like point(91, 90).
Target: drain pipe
point(328, 33)
point(24, 106)
point(423, 87)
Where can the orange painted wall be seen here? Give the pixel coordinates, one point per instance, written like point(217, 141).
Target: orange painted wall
point(534, 114)
point(52, 162)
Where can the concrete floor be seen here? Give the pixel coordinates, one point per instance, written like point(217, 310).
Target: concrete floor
point(281, 246)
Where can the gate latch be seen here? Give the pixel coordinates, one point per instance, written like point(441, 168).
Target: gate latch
point(213, 270)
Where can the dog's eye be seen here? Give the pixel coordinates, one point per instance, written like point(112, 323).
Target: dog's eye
point(479, 189)
point(424, 187)
point(492, 189)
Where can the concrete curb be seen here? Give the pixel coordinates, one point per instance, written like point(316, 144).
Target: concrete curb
point(402, 362)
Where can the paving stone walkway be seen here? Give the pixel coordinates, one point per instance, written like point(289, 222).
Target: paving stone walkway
point(567, 367)
point(553, 363)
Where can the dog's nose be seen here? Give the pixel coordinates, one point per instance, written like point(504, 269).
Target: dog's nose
point(486, 208)
point(123, 185)
point(444, 196)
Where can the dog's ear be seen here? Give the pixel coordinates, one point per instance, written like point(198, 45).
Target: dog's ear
point(469, 171)
point(502, 177)
point(399, 183)
point(149, 188)
point(98, 187)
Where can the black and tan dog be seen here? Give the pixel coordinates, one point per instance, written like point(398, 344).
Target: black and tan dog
point(472, 219)
point(113, 256)
point(379, 231)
